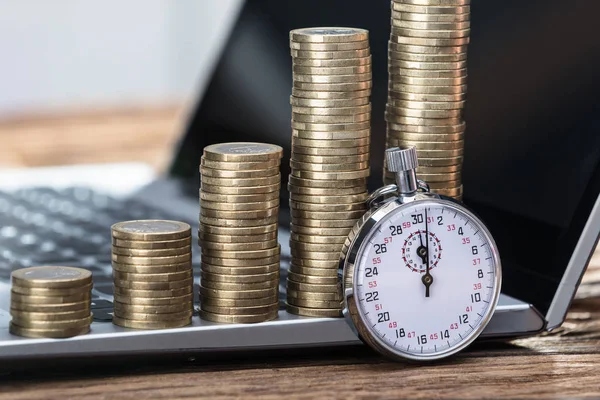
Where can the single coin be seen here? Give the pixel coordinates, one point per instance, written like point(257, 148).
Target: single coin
point(332, 110)
point(333, 176)
point(165, 244)
point(239, 279)
point(419, 41)
point(126, 251)
point(327, 207)
point(150, 309)
point(241, 166)
point(238, 294)
point(241, 174)
point(238, 223)
point(427, 97)
point(348, 135)
point(321, 280)
point(243, 152)
point(310, 263)
point(266, 204)
point(314, 303)
point(239, 191)
point(328, 55)
point(52, 324)
point(333, 87)
point(433, 18)
point(323, 199)
point(314, 288)
point(265, 237)
point(141, 285)
point(319, 95)
point(139, 293)
point(317, 223)
point(410, 112)
point(235, 231)
point(51, 277)
point(440, 162)
point(316, 255)
point(422, 145)
point(312, 183)
point(440, 153)
point(314, 312)
point(240, 310)
point(164, 277)
point(397, 119)
point(303, 295)
point(425, 136)
point(152, 269)
point(242, 255)
point(436, 2)
point(136, 324)
point(49, 316)
point(151, 230)
point(323, 151)
point(397, 21)
point(260, 245)
point(448, 176)
point(427, 105)
point(432, 34)
point(155, 301)
point(218, 285)
point(403, 87)
point(450, 192)
point(335, 240)
point(52, 292)
point(353, 78)
point(429, 129)
point(412, 48)
point(428, 62)
point(337, 144)
point(341, 215)
point(50, 308)
point(363, 44)
point(315, 247)
point(439, 170)
point(124, 313)
point(120, 259)
point(237, 199)
point(363, 69)
point(329, 35)
point(451, 73)
point(325, 192)
point(310, 231)
point(242, 182)
point(214, 302)
point(410, 80)
point(238, 319)
point(49, 299)
point(318, 103)
point(241, 215)
point(430, 9)
point(47, 333)
point(312, 271)
point(332, 63)
point(445, 185)
point(232, 262)
point(241, 271)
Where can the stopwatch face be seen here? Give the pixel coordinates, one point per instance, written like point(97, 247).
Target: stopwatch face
point(419, 312)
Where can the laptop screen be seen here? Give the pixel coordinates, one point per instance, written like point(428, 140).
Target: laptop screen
point(532, 149)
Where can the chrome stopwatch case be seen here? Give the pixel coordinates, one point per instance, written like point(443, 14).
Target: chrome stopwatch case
point(421, 273)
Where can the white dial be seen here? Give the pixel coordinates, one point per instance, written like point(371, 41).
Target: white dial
point(426, 279)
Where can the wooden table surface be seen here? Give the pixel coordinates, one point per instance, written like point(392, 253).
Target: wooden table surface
point(561, 364)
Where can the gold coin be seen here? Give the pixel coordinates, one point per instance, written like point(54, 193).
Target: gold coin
point(433, 18)
point(394, 46)
point(409, 112)
point(427, 105)
point(451, 73)
point(325, 127)
point(48, 299)
point(448, 176)
point(332, 110)
point(410, 80)
point(337, 144)
point(445, 185)
point(314, 303)
point(242, 255)
point(53, 277)
point(423, 121)
point(238, 319)
point(429, 129)
point(240, 310)
point(52, 292)
point(329, 272)
point(332, 63)
point(321, 280)
point(238, 223)
point(243, 152)
point(238, 246)
point(363, 44)
point(238, 294)
point(125, 251)
point(240, 286)
point(314, 312)
point(145, 293)
point(424, 25)
point(333, 87)
point(440, 153)
point(236, 199)
point(436, 2)
point(241, 166)
point(214, 302)
point(135, 324)
point(309, 263)
point(329, 35)
point(239, 191)
point(322, 215)
point(332, 176)
point(404, 59)
point(164, 277)
point(427, 97)
point(425, 137)
point(242, 174)
point(402, 87)
point(151, 230)
point(241, 270)
point(318, 95)
point(440, 162)
point(325, 103)
point(316, 255)
point(353, 78)
point(348, 135)
point(152, 269)
point(312, 192)
point(430, 9)
point(302, 295)
point(328, 55)
point(249, 262)
point(152, 317)
point(150, 309)
point(358, 206)
point(120, 259)
point(242, 182)
point(363, 69)
point(49, 316)
point(267, 204)
point(316, 223)
point(306, 230)
point(242, 239)
point(50, 308)
point(439, 170)
point(312, 183)
point(240, 279)
point(349, 199)
point(142, 285)
point(165, 244)
point(155, 301)
point(422, 145)
point(315, 247)
point(336, 240)
point(451, 191)
point(235, 231)
point(450, 35)
point(50, 324)
point(47, 333)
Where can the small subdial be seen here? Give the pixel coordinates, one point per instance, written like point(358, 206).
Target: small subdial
point(414, 251)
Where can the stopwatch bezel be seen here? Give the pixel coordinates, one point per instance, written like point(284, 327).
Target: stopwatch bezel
point(358, 239)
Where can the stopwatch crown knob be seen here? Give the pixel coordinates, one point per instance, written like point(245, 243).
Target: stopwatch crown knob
point(399, 160)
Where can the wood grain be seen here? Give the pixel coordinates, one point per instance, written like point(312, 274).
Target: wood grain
point(561, 364)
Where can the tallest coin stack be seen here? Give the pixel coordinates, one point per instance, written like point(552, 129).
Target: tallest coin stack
point(331, 119)
point(427, 87)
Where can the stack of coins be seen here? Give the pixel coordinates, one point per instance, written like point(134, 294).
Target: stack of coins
point(427, 87)
point(152, 271)
point(239, 210)
point(50, 302)
point(331, 120)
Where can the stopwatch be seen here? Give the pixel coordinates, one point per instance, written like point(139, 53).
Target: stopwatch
point(421, 273)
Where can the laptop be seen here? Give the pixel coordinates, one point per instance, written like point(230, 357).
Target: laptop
point(531, 172)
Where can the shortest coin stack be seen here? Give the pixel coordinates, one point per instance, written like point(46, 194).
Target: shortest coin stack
point(50, 302)
point(152, 271)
